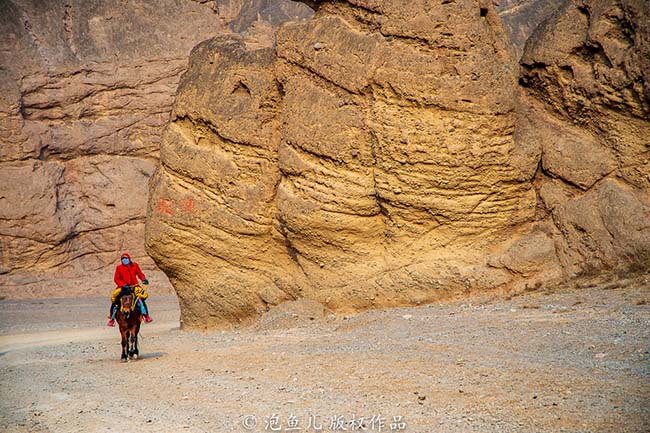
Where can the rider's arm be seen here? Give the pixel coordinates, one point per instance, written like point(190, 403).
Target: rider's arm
point(138, 272)
point(117, 278)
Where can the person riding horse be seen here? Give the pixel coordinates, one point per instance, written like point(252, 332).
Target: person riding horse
point(126, 277)
point(128, 317)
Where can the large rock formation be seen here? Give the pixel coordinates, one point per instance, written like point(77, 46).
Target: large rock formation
point(383, 153)
point(586, 80)
point(86, 88)
point(389, 153)
point(378, 156)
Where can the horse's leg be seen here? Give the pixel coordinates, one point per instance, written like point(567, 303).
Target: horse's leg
point(133, 346)
point(124, 343)
point(136, 332)
point(131, 338)
point(129, 334)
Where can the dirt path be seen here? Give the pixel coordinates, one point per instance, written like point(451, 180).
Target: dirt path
point(577, 361)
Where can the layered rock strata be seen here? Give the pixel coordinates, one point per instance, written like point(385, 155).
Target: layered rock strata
point(369, 160)
point(87, 87)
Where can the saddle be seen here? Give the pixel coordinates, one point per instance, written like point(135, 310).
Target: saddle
point(138, 290)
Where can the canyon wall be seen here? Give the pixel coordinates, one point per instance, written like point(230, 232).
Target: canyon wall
point(586, 106)
point(394, 153)
point(86, 89)
point(384, 153)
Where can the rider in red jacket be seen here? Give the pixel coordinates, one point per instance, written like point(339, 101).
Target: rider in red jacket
point(127, 274)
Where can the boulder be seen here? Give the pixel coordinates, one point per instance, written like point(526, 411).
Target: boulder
point(370, 163)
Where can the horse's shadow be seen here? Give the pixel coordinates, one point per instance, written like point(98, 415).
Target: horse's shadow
point(112, 358)
point(151, 355)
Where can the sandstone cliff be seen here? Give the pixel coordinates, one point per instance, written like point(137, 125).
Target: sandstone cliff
point(86, 88)
point(390, 153)
point(586, 106)
point(384, 153)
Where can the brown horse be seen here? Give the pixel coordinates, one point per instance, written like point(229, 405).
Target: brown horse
point(128, 318)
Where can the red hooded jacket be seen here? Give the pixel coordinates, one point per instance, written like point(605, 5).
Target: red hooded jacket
point(128, 274)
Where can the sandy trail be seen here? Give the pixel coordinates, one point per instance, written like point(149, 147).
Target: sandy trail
point(28, 324)
point(576, 361)
point(10, 343)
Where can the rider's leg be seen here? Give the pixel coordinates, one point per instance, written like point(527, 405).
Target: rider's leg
point(112, 311)
point(115, 302)
point(145, 311)
point(143, 307)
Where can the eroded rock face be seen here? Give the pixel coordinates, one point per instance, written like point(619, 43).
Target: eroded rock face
point(212, 198)
point(371, 162)
point(587, 90)
point(86, 88)
point(521, 17)
point(390, 153)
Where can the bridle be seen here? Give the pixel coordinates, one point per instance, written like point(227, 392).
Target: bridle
point(127, 303)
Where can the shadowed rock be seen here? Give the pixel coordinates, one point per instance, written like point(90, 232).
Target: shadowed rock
point(86, 88)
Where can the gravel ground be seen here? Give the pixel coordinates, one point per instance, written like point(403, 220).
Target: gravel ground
point(571, 361)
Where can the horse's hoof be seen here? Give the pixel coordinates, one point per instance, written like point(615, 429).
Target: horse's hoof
point(125, 360)
point(135, 356)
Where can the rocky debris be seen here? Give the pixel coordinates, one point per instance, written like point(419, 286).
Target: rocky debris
point(86, 88)
point(386, 154)
point(291, 314)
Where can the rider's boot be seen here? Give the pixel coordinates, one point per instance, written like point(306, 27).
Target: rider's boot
point(111, 318)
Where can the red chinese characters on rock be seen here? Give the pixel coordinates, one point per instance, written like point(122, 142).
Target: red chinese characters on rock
point(187, 205)
point(167, 206)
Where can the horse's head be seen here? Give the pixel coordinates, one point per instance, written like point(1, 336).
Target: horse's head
point(127, 303)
